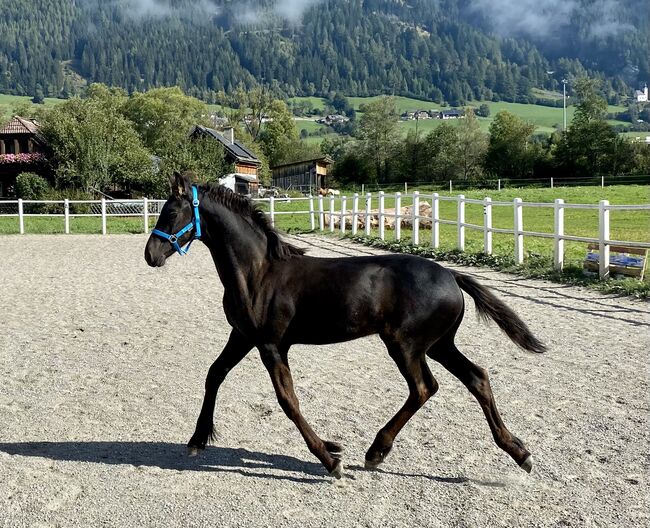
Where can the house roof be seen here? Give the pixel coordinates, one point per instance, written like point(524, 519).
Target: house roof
point(20, 125)
point(235, 149)
point(323, 159)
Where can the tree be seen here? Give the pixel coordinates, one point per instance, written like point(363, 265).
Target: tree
point(442, 153)
point(379, 135)
point(472, 146)
point(279, 133)
point(94, 145)
point(163, 118)
point(509, 153)
point(483, 111)
point(590, 146)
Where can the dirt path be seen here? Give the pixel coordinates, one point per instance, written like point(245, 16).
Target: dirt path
point(102, 362)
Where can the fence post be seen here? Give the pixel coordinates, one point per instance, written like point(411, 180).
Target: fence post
point(344, 206)
point(435, 224)
point(331, 214)
point(355, 213)
point(499, 184)
point(519, 238)
point(272, 210)
point(551, 182)
point(321, 213)
point(416, 218)
point(487, 226)
point(21, 217)
point(602, 181)
point(558, 249)
point(451, 187)
point(460, 223)
point(382, 231)
point(145, 214)
point(603, 235)
point(368, 214)
point(312, 217)
point(103, 215)
point(66, 215)
point(398, 216)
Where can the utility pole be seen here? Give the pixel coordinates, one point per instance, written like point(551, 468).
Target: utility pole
point(564, 83)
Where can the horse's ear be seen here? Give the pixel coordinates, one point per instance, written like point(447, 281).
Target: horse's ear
point(181, 184)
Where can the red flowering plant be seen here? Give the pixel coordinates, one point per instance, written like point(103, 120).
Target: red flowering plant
point(27, 157)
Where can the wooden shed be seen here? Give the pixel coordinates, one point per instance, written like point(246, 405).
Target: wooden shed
point(244, 160)
point(306, 176)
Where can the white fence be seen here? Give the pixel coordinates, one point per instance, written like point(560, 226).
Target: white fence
point(67, 209)
point(325, 213)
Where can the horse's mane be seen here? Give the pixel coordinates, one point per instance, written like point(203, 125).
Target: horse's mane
point(277, 249)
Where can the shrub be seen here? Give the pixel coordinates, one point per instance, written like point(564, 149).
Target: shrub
point(31, 186)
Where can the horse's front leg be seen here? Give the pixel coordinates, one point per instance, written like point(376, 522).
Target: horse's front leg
point(235, 350)
point(329, 453)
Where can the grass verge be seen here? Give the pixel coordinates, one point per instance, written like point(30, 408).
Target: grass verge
point(535, 267)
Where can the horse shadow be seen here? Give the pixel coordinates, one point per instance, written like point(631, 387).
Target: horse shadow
point(171, 456)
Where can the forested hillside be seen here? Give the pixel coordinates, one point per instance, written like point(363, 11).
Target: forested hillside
point(442, 50)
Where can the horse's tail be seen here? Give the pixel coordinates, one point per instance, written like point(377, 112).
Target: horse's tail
point(489, 306)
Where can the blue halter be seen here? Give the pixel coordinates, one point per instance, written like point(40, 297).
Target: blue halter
point(194, 224)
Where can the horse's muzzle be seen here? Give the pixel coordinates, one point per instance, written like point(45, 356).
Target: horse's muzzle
point(153, 253)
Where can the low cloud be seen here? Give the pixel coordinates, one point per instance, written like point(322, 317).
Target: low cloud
point(162, 8)
point(545, 18)
point(290, 10)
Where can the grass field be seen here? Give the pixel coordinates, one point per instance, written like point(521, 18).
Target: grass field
point(624, 225)
point(9, 102)
point(545, 118)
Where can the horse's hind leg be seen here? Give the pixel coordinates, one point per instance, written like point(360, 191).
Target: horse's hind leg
point(275, 361)
point(235, 350)
point(422, 385)
point(477, 382)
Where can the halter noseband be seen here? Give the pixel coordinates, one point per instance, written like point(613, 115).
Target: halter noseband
point(194, 224)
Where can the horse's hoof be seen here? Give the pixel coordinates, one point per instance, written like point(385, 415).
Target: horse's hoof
point(527, 465)
point(369, 465)
point(337, 472)
point(193, 451)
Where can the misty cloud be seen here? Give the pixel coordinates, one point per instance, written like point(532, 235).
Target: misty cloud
point(289, 10)
point(162, 8)
point(543, 18)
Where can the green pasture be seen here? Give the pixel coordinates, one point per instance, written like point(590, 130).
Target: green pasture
point(624, 225)
point(291, 216)
point(545, 118)
point(9, 102)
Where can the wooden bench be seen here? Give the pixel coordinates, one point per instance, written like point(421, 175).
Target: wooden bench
point(626, 261)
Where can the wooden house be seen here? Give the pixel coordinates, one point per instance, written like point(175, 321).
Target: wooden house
point(244, 160)
point(306, 176)
point(22, 149)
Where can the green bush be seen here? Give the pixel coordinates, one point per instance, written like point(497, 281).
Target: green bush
point(30, 186)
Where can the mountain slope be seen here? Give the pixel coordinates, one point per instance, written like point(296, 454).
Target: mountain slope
point(435, 49)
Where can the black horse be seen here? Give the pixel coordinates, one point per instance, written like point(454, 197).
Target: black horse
point(272, 291)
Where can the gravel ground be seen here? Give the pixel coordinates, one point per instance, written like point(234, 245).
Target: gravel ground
point(101, 381)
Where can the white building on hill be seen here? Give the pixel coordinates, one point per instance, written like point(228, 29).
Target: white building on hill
point(641, 96)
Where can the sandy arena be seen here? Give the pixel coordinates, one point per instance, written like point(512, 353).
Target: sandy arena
point(102, 364)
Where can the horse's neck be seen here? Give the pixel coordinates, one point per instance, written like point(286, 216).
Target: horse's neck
point(237, 249)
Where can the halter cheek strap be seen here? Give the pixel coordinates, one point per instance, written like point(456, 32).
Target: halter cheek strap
point(194, 224)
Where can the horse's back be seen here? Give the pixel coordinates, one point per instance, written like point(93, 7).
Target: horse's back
point(339, 299)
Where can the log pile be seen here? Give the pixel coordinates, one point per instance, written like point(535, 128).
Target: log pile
point(389, 217)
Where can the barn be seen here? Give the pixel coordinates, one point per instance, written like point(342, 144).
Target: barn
point(22, 149)
point(306, 176)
